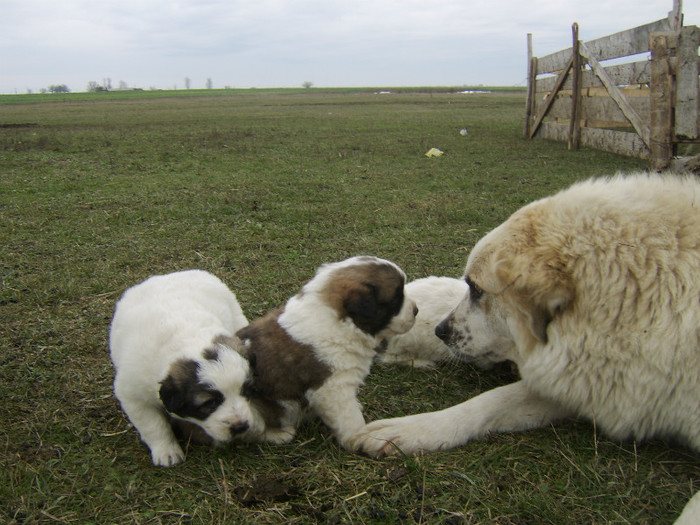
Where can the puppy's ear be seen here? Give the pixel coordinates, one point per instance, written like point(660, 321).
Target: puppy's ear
point(538, 295)
point(361, 306)
point(175, 388)
point(172, 396)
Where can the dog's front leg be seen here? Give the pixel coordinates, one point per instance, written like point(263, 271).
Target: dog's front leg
point(155, 430)
point(335, 402)
point(505, 409)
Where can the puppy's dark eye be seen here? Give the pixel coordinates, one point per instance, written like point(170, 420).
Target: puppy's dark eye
point(210, 405)
point(474, 291)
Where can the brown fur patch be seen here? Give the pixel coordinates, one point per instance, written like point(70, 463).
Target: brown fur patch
point(283, 369)
point(232, 342)
point(189, 432)
point(183, 371)
point(270, 410)
point(370, 294)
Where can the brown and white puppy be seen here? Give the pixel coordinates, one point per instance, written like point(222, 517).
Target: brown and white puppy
point(593, 293)
point(318, 349)
point(171, 349)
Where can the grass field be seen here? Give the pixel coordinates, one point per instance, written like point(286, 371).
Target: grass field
point(260, 187)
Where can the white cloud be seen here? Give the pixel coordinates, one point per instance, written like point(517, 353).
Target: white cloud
point(283, 42)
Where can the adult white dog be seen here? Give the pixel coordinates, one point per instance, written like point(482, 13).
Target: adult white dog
point(435, 297)
point(171, 349)
point(318, 349)
point(594, 294)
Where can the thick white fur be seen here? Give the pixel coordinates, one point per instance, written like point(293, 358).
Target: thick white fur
point(161, 320)
point(609, 270)
point(341, 345)
point(435, 297)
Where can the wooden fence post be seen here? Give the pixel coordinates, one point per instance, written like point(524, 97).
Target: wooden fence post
point(687, 85)
point(661, 91)
point(575, 122)
point(531, 79)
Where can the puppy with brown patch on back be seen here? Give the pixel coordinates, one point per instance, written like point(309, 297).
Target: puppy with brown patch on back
point(318, 349)
point(594, 294)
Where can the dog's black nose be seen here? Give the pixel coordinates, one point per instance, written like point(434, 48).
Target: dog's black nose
point(239, 428)
point(442, 331)
point(415, 311)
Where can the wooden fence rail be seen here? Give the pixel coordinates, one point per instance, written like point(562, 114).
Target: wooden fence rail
point(642, 108)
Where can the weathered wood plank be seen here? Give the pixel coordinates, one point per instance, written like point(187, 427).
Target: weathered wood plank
point(530, 102)
point(598, 109)
point(575, 123)
point(620, 74)
point(687, 86)
point(660, 145)
point(639, 125)
point(619, 142)
point(550, 100)
point(625, 43)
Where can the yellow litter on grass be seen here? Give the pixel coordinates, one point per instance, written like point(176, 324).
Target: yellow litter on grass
point(434, 152)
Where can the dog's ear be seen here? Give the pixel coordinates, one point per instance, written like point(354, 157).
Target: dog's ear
point(362, 306)
point(538, 295)
point(175, 388)
point(172, 396)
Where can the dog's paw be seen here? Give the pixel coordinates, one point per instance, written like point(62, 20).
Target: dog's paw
point(167, 455)
point(378, 439)
point(387, 437)
point(279, 436)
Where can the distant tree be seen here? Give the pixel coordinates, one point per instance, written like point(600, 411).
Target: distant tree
point(92, 86)
point(123, 85)
point(107, 83)
point(187, 82)
point(210, 84)
point(307, 84)
point(60, 88)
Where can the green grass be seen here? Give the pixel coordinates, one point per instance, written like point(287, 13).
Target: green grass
point(260, 187)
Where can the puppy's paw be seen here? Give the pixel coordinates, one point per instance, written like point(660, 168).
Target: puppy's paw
point(279, 436)
point(167, 455)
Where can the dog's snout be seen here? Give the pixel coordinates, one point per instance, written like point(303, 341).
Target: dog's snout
point(443, 330)
point(239, 428)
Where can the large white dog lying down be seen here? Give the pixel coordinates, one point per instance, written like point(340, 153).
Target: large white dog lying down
point(594, 294)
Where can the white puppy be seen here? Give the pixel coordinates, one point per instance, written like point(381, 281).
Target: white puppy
point(593, 293)
point(318, 349)
point(171, 360)
point(435, 297)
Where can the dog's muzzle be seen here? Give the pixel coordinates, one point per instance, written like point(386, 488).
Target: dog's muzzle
point(443, 330)
point(239, 428)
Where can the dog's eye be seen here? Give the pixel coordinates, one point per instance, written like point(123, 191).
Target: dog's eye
point(210, 405)
point(474, 291)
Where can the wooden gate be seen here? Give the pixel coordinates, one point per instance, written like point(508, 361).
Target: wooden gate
point(642, 109)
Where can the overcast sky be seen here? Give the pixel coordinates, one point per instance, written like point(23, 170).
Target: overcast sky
point(282, 43)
